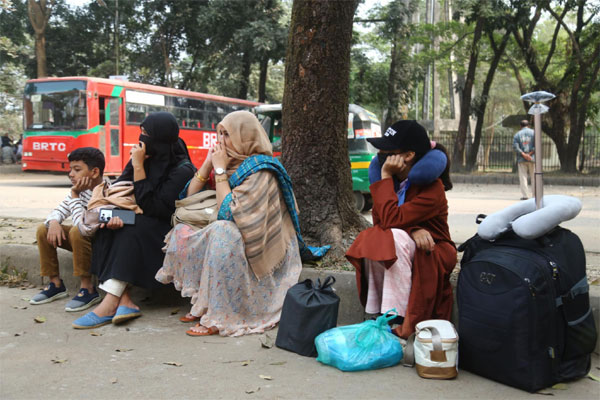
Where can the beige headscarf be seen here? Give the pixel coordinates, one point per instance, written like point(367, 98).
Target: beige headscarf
point(257, 205)
point(247, 135)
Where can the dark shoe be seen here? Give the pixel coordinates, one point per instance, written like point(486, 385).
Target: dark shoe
point(82, 300)
point(49, 294)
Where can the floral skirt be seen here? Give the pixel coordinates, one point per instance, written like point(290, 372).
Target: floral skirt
point(210, 266)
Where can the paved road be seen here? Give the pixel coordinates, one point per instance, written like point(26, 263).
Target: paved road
point(33, 195)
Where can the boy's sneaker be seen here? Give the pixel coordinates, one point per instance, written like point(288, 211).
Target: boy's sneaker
point(50, 293)
point(82, 300)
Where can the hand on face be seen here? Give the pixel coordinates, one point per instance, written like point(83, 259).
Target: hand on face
point(394, 166)
point(208, 163)
point(220, 159)
point(82, 184)
point(138, 155)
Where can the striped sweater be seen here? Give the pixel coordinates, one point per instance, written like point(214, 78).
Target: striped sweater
point(70, 207)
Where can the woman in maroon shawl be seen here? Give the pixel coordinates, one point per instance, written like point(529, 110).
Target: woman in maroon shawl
point(404, 261)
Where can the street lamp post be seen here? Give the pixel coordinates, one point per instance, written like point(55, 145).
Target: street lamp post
point(103, 4)
point(537, 98)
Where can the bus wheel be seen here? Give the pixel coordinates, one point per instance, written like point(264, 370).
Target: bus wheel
point(359, 201)
point(368, 202)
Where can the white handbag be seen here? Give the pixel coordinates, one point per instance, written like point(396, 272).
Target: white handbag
point(434, 349)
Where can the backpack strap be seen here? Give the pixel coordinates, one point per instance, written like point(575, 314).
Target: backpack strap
point(580, 287)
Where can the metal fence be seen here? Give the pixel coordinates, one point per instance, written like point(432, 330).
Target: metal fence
point(497, 154)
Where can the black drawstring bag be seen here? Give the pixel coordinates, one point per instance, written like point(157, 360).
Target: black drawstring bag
point(308, 310)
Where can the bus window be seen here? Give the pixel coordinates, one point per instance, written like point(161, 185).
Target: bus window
point(55, 105)
point(102, 113)
point(135, 113)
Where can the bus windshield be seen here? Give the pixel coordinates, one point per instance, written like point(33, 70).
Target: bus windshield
point(57, 105)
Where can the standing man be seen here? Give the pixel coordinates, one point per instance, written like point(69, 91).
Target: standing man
point(524, 145)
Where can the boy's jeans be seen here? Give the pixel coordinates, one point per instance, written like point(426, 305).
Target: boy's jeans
point(81, 247)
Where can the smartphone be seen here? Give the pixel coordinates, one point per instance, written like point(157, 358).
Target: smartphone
point(127, 216)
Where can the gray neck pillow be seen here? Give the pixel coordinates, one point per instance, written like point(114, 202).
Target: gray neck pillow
point(526, 221)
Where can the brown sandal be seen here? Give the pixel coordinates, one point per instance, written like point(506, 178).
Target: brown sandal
point(186, 319)
point(213, 330)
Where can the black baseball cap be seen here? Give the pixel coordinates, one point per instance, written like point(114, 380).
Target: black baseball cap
point(404, 135)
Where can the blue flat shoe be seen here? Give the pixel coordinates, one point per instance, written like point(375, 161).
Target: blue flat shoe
point(125, 314)
point(91, 320)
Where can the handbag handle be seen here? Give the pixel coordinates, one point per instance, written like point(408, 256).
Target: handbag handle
point(409, 350)
point(330, 280)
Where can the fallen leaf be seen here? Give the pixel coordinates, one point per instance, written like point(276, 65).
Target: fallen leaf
point(595, 282)
point(122, 350)
point(25, 298)
point(19, 333)
point(545, 393)
point(266, 377)
point(20, 307)
point(95, 333)
point(173, 363)
point(560, 386)
point(278, 363)
point(266, 341)
point(593, 377)
point(113, 380)
point(250, 391)
point(175, 311)
point(59, 360)
point(40, 320)
point(245, 363)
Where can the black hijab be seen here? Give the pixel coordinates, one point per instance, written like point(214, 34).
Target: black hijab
point(164, 146)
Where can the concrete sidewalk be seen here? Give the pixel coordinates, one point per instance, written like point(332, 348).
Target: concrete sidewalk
point(50, 360)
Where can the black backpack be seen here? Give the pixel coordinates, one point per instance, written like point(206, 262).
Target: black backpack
point(524, 312)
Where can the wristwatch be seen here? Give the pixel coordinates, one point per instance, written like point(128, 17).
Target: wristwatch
point(219, 171)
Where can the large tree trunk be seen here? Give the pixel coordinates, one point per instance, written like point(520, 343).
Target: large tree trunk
point(39, 14)
point(465, 106)
point(394, 80)
point(262, 80)
point(245, 78)
point(315, 120)
point(480, 112)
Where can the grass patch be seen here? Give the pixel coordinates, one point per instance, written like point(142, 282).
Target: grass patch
point(10, 276)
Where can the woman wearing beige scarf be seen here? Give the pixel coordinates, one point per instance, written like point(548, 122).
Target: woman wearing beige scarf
point(238, 269)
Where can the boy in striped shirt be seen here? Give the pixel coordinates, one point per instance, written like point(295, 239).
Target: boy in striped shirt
point(87, 167)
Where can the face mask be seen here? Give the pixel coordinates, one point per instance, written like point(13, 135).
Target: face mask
point(148, 141)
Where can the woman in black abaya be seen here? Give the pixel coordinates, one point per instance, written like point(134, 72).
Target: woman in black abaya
point(124, 255)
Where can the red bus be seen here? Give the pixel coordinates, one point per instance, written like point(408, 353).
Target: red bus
point(62, 114)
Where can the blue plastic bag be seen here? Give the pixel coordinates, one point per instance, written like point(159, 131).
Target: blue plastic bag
point(368, 345)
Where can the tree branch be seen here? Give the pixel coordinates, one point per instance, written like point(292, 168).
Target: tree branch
point(553, 45)
point(560, 20)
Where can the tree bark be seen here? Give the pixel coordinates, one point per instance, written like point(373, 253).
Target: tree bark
point(39, 13)
point(262, 79)
point(315, 120)
point(465, 106)
point(480, 112)
point(394, 80)
point(245, 78)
